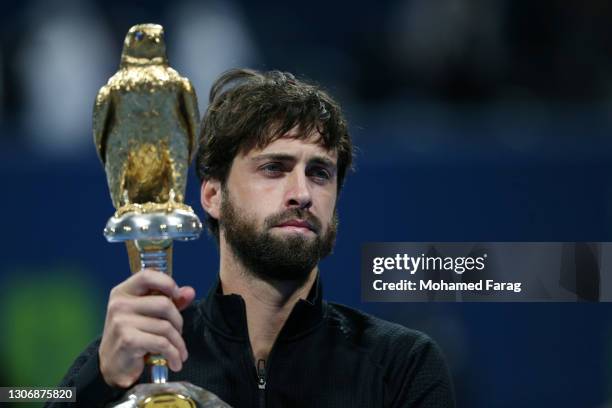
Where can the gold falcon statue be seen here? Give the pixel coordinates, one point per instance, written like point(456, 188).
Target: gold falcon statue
point(145, 127)
point(145, 123)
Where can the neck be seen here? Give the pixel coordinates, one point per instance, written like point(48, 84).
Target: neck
point(128, 60)
point(268, 303)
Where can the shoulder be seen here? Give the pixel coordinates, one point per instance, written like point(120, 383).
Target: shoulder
point(413, 367)
point(369, 331)
point(394, 347)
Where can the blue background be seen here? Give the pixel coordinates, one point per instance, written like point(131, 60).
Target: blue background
point(455, 156)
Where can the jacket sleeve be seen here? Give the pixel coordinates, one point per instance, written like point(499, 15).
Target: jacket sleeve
point(85, 376)
point(420, 377)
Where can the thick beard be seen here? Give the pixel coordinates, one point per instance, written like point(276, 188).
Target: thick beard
point(272, 258)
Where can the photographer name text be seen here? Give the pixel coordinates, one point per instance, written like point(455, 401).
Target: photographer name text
point(423, 263)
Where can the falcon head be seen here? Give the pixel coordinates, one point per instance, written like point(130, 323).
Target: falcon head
point(143, 44)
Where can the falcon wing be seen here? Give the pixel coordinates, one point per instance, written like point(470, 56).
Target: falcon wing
point(192, 115)
point(102, 114)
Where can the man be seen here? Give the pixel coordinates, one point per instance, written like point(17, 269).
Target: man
point(273, 156)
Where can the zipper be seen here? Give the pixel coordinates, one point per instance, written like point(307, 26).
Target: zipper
point(262, 369)
point(261, 381)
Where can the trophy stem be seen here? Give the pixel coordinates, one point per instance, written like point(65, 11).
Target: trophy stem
point(149, 231)
point(155, 259)
point(153, 255)
point(158, 370)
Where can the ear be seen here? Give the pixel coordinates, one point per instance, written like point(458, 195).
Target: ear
point(210, 197)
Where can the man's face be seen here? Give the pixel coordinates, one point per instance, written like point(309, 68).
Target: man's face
point(278, 208)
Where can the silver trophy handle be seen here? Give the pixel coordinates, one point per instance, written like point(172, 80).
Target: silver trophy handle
point(153, 234)
point(153, 255)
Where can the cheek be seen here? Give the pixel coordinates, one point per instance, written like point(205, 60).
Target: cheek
point(263, 195)
point(327, 204)
point(253, 185)
point(257, 200)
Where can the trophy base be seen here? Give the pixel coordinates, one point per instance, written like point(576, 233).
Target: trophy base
point(175, 223)
point(152, 227)
point(169, 395)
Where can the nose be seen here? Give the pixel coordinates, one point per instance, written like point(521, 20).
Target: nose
point(298, 193)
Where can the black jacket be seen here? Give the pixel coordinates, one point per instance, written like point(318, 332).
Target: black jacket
point(326, 355)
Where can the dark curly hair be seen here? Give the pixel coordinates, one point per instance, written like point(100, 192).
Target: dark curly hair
point(250, 109)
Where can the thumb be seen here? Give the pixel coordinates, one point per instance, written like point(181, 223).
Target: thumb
point(185, 297)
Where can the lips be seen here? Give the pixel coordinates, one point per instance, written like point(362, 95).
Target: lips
point(298, 224)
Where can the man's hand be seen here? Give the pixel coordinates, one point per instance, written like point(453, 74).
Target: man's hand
point(138, 323)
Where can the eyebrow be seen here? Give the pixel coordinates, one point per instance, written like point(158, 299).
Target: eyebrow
point(324, 161)
point(284, 157)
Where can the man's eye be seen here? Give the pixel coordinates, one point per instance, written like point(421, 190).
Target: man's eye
point(272, 169)
point(320, 174)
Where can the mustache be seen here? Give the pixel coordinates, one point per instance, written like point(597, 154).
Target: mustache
point(294, 214)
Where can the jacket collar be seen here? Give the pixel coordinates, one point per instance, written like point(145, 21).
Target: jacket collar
point(227, 313)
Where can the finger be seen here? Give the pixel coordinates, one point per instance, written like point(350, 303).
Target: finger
point(154, 344)
point(186, 296)
point(150, 280)
point(158, 306)
point(161, 328)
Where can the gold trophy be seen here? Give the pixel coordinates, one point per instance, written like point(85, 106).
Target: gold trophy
point(145, 124)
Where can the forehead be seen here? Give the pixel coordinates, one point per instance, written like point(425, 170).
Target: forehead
point(289, 144)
